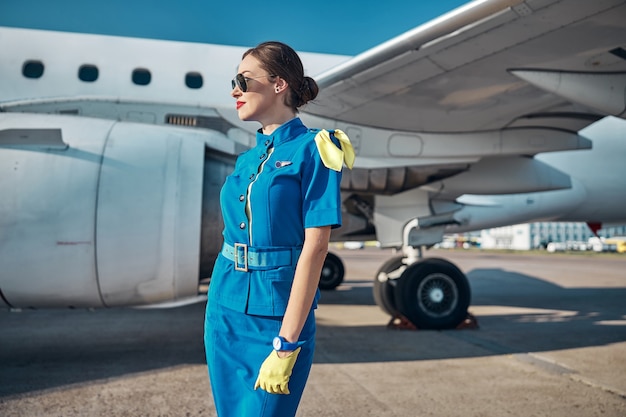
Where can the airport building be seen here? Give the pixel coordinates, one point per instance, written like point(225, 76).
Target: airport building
point(539, 235)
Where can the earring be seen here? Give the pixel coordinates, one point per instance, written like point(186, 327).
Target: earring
point(277, 90)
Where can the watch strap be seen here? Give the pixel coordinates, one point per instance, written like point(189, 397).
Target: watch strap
point(285, 345)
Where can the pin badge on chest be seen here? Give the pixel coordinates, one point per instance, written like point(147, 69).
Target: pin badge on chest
point(280, 164)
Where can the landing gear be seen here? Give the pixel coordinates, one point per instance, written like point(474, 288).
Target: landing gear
point(422, 293)
point(417, 293)
point(332, 273)
point(433, 294)
point(385, 283)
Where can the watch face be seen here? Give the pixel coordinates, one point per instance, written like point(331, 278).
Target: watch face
point(277, 343)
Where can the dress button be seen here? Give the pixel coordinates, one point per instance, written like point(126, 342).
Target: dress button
point(242, 225)
point(262, 156)
point(242, 197)
point(251, 176)
point(267, 142)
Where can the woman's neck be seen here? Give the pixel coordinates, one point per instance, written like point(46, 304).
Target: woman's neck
point(277, 121)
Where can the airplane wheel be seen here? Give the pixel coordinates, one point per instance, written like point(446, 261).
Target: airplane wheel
point(433, 294)
point(384, 286)
point(332, 272)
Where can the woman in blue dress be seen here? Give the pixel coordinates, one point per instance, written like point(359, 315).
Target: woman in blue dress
point(279, 206)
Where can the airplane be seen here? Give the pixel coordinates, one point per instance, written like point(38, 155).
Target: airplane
point(113, 151)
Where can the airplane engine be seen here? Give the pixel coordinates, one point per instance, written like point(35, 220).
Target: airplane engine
point(98, 213)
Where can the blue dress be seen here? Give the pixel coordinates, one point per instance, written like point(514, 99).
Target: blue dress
point(277, 189)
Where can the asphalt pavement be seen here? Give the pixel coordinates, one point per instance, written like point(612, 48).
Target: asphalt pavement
point(551, 341)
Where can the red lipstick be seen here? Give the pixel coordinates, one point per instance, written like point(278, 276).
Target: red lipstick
point(239, 104)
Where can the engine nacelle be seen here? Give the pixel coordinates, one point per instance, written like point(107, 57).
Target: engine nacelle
point(112, 219)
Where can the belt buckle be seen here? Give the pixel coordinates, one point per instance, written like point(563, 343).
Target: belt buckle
point(245, 257)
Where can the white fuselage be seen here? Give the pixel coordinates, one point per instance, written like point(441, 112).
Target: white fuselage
point(111, 211)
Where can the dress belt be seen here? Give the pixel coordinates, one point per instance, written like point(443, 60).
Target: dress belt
point(260, 258)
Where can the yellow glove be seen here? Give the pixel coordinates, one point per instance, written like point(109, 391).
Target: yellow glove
point(332, 156)
point(275, 372)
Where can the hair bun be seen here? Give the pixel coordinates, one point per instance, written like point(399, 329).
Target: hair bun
point(308, 91)
point(280, 59)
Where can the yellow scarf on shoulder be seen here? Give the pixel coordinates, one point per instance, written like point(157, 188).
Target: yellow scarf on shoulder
point(334, 157)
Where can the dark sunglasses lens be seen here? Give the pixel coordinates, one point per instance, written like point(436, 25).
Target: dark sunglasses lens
point(233, 84)
point(241, 82)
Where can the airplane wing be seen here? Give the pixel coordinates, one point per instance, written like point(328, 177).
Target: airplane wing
point(489, 65)
point(460, 124)
point(462, 105)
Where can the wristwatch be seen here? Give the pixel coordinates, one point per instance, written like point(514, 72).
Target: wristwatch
point(280, 343)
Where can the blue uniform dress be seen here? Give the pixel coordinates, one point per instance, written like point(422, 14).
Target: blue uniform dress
point(277, 189)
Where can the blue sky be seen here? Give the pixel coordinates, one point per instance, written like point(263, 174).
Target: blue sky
point(342, 27)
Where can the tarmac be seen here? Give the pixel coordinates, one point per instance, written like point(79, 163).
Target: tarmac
point(551, 341)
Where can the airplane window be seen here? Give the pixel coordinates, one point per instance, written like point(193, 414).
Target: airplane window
point(141, 76)
point(193, 80)
point(32, 69)
point(88, 73)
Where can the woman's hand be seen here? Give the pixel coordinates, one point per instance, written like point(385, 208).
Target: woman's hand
point(275, 372)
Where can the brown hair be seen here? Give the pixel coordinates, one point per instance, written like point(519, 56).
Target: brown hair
point(280, 59)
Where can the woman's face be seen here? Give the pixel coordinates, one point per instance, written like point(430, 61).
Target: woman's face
point(259, 101)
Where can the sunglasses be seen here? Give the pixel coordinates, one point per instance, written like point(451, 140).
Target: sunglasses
point(242, 82)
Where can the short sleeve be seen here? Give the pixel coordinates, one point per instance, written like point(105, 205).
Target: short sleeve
point(321, 196)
